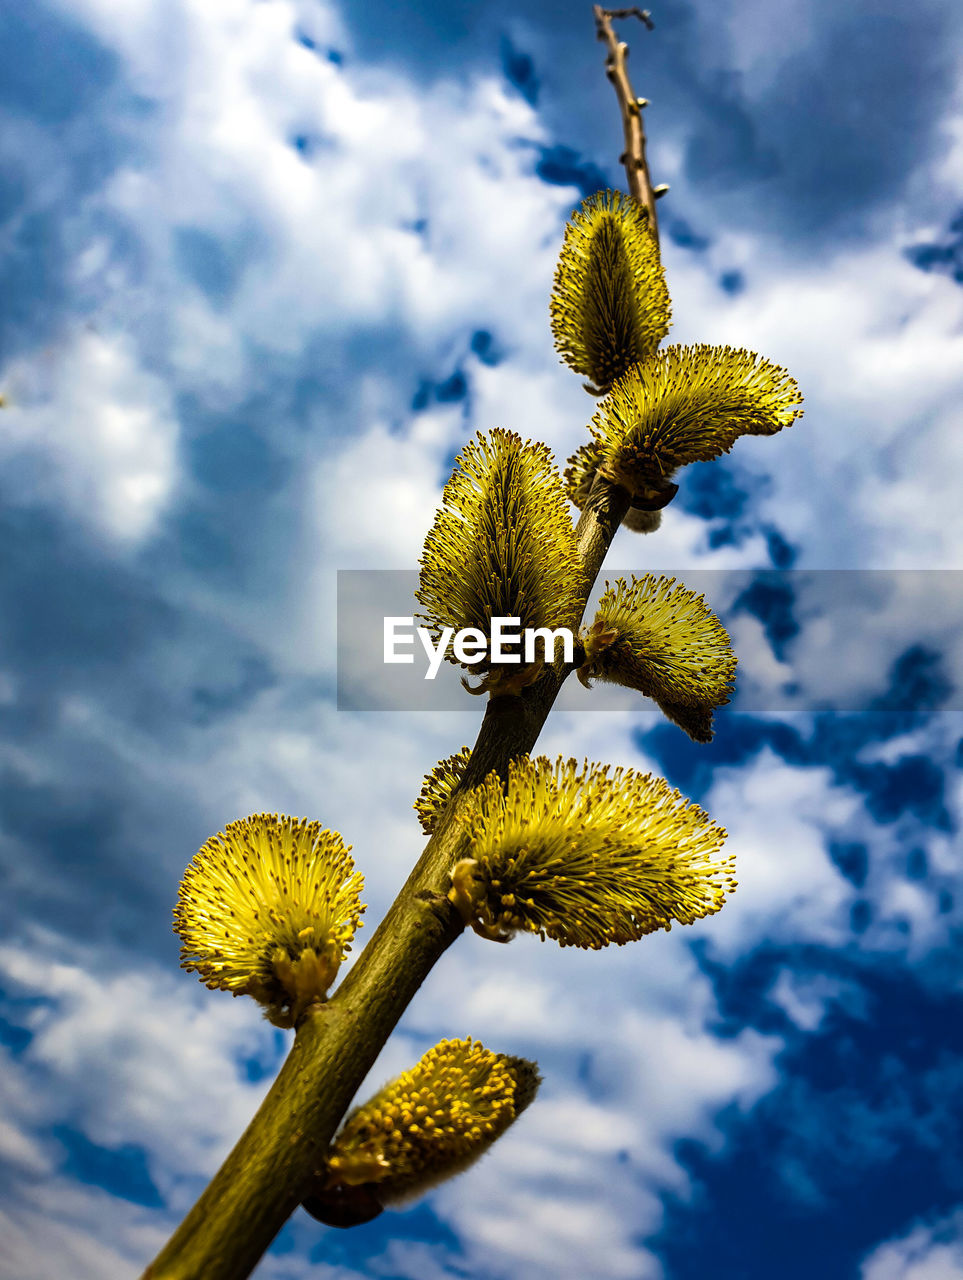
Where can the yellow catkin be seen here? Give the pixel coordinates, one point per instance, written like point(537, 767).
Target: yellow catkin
point(437, 788)
point(502, 545)
point(696, 721)
point(432, 1122)
point(268, 908)
point(579, 475)
point(610, 304)
point(588, 857)
point(688, 404)
point(663, 640)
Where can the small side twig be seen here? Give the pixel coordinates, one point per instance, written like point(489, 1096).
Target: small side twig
point(633, 157)
point(642, 14)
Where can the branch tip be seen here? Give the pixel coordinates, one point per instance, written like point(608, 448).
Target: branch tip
point(630, 104)
point(643, 15)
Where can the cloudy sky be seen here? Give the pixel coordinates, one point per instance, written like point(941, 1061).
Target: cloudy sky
point(264, 267)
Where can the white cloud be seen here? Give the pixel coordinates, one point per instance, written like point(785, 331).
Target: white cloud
point(60, 1227)
point(127, 1050)
point(100, 429)
point(806, 998)
point(928, 1252)
point(777, 817)
point(875, 345)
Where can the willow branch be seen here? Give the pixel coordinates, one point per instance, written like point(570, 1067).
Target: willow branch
point(282, 1152)
point(273, 1164)
point(633, 157)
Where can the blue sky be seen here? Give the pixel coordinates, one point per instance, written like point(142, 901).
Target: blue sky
point(264, 267)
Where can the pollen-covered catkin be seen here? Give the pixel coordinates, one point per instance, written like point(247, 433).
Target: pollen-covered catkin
point(437, 788)
point(610, 305)
point(268, 908)
point(432, 1122)
point(585, 856)
point(664, 641)
point(502, 545)
point(688, 404)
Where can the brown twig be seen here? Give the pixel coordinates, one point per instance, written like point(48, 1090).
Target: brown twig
point(642, 14)
point(633, 157)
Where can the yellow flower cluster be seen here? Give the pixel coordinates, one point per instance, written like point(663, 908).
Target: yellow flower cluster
point(268, 908)
point(433, 1121)
point(610, 304)
point(663, 640)
point(579, 476)
point(502, 545)
point(585, 857)
point(437, 788)
point(688, 404)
